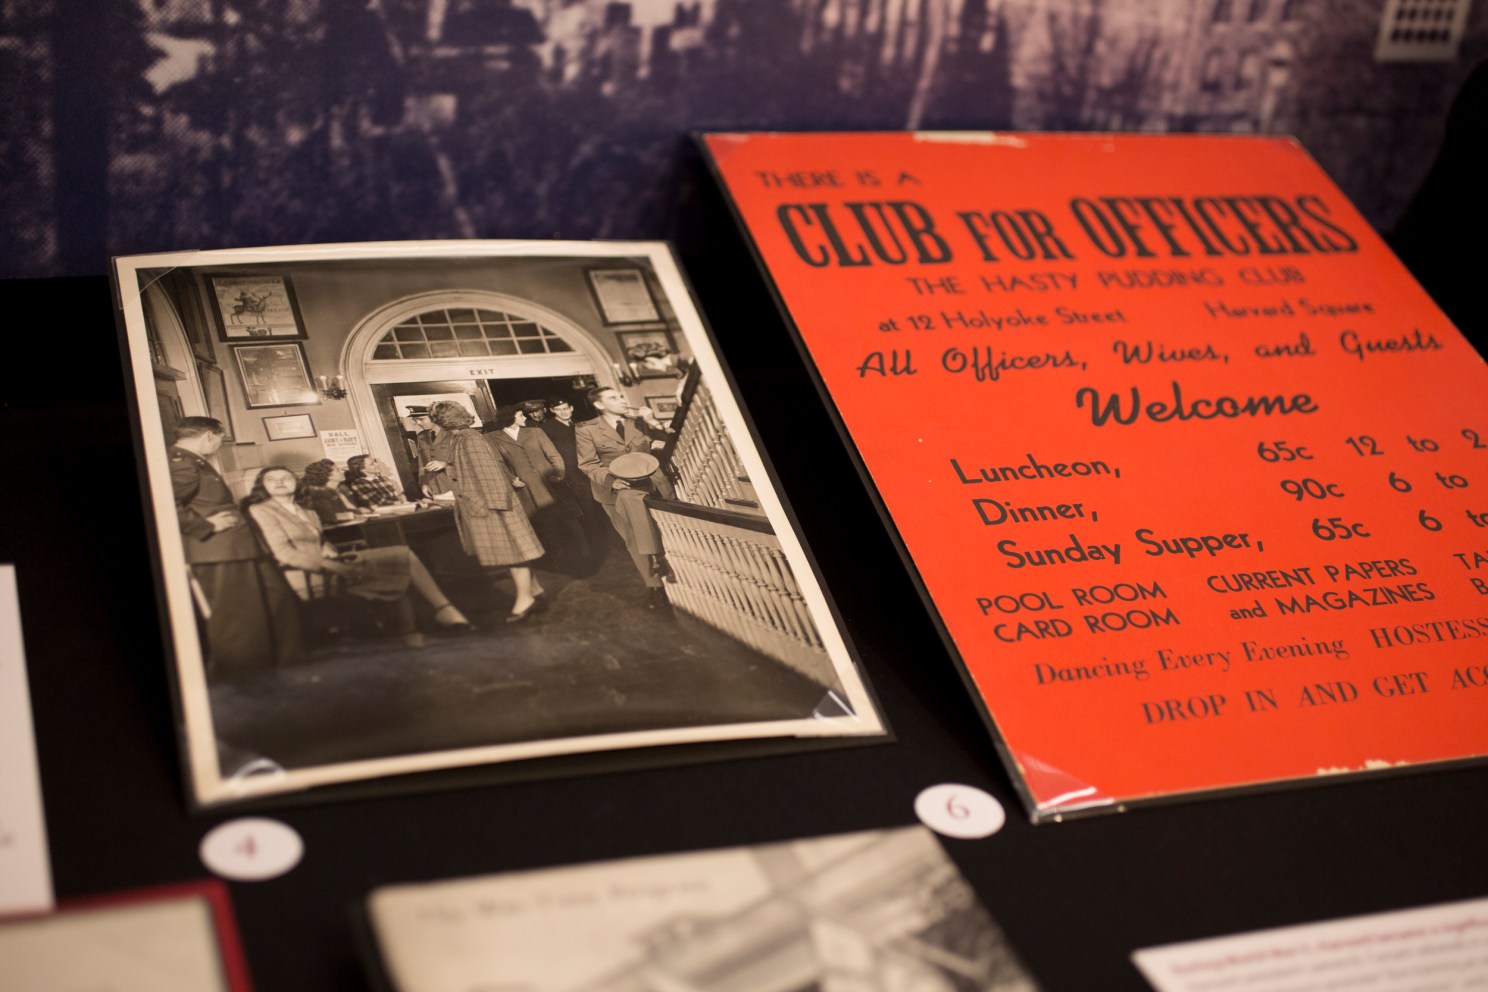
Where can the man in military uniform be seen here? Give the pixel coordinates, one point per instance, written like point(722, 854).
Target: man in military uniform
point(619, 431)
point(433, 452)
point(536, 411)
point(250, 614)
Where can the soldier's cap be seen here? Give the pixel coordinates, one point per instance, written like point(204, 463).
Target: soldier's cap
point(417, 411)
point(634, 466)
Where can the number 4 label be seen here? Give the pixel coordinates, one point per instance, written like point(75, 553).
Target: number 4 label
point(251, 849)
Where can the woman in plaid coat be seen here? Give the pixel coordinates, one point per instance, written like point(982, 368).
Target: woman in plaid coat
point(493, 526)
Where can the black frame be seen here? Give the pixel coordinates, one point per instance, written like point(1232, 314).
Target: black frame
point(599, 303)
point(268, 431)
point(628, 339)
point(248, 398)
point(210, 278)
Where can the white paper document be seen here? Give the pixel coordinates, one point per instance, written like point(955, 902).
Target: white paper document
point(885, 910)
point(168, 946)
point(25, 872)
point(1441, 948)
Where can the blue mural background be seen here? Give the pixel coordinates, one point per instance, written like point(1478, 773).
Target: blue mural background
point(146, 125)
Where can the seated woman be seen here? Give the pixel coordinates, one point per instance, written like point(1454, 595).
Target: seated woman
point(321, 493)
point(370, 484)
point(293, 535)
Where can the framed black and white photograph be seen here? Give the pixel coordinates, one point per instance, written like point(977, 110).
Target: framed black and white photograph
point(481, 563)
point(623, 296)
point(275, 375)
point(289, 428)
point(248, 306)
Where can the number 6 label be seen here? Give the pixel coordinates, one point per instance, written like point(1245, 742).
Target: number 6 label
point(962, 811)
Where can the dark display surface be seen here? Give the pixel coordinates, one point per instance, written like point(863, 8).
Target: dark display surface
point(1074, 899)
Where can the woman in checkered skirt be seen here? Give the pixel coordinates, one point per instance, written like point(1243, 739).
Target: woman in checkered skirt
point(493, 526)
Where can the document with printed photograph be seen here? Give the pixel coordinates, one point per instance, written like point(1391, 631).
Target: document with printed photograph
point(878, 912)
point(462, 503)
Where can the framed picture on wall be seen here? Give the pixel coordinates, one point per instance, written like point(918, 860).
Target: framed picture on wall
point(289, 427)
point(650, 354)
point(664, 406)
point(275, 375)
point(623, 296)
point(214, 391)
point(248, 306)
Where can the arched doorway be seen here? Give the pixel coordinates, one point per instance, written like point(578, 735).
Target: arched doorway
point(178, 392)
point(485, 345)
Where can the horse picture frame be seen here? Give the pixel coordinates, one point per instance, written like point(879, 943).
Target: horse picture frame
point(249, 306)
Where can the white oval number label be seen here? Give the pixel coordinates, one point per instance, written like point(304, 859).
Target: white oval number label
point(960, 811)
point(252, 849)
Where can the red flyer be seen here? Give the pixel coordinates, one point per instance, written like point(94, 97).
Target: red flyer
point(1189, 468)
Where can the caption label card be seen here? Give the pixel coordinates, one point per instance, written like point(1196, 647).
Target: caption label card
point(1191, 469)
point(25, 869)
point(1436, 947)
